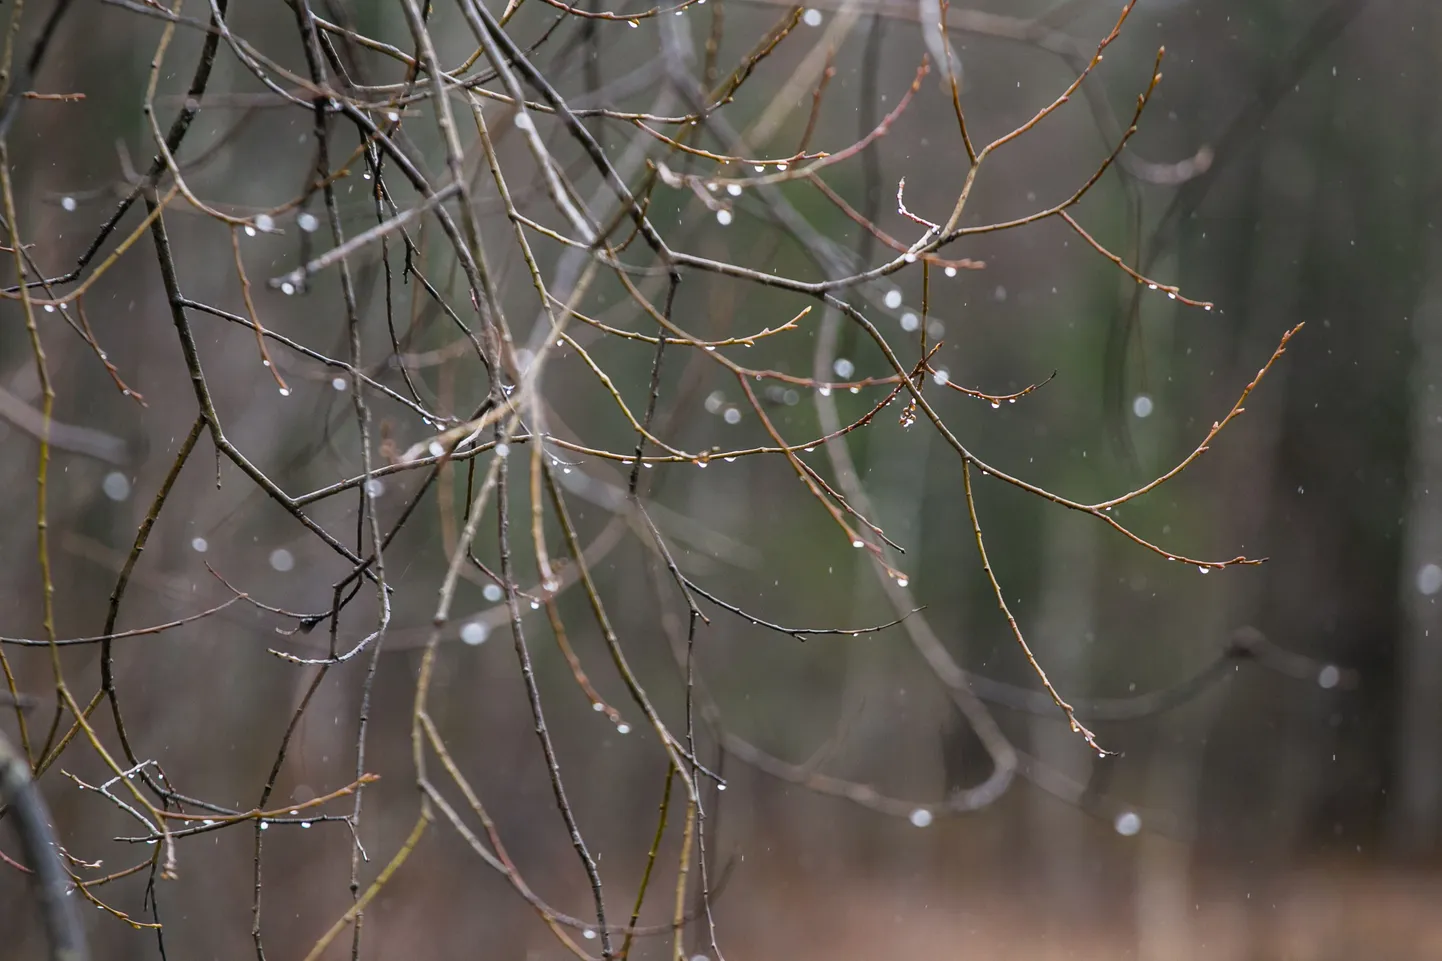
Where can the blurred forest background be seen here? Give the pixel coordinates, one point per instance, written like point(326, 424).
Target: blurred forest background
point(1276, 790)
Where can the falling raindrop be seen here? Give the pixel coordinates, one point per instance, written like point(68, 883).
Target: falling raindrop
point(503, 450)
point(264, 223)
point(732, 415)
point(492, 592)
point(910, 321)
point(1142, 405)
point(200, 545)
point(375, 487)
point(723, 217)
point(474, 633)
point(287, 288)
point(893, 298)
point(921, 817)
point(812, 18)
point(68, 204)
point(307, 222)
point(338, 383)
point(941, 378)
point(1329, 677)
point(282, 560)
point(843, 367)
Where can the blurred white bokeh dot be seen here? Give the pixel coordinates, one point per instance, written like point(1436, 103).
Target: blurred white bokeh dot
point(117, 486)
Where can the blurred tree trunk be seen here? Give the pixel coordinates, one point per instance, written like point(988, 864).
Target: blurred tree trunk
point(891, 684)
point(1065, 640)
point(1276, 219)
point(1414, 825)
point(1414, 822)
